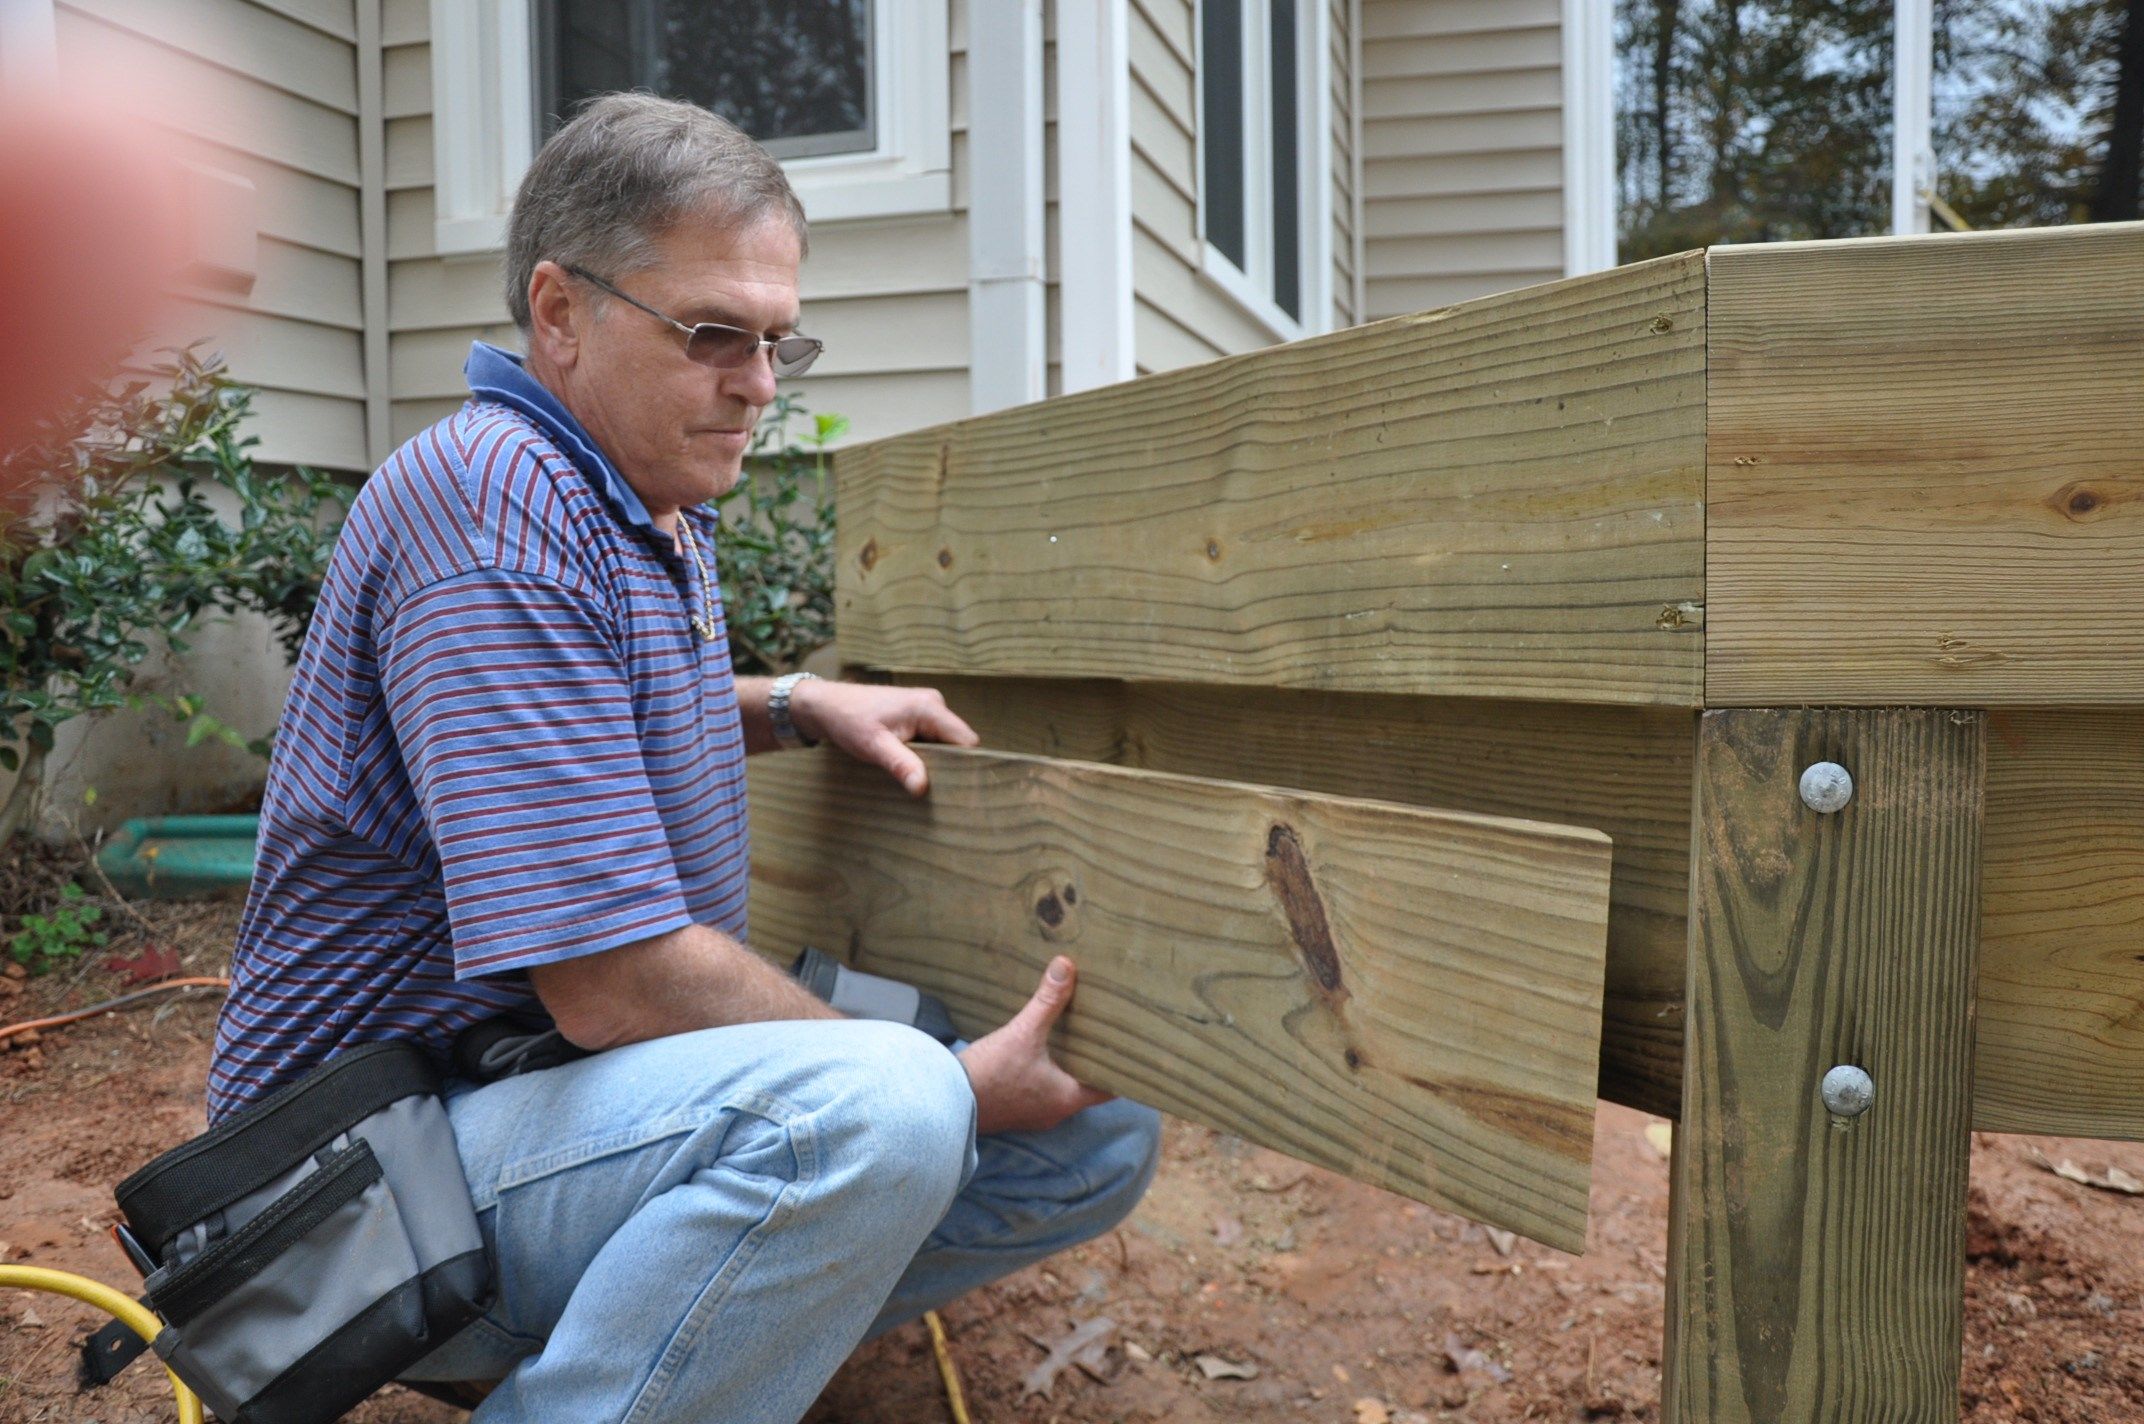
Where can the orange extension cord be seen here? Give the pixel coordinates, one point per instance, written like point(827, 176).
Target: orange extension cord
point(204, 981)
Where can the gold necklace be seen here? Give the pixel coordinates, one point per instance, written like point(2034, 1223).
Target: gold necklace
point(702, 622)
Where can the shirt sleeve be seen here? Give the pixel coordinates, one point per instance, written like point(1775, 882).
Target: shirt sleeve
point(510, 703)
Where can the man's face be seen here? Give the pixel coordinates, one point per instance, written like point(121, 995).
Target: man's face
point(678, 430)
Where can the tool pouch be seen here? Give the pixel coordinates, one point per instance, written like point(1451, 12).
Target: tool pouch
point(313, 1245)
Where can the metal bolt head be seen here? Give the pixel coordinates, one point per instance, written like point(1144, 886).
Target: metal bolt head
point(1848, 1091)
point(1827, 787)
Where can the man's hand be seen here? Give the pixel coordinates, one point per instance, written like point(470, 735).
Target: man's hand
point(1018, 1087)
point(875, 724)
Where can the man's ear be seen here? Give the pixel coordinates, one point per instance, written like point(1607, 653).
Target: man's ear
point(557, 315)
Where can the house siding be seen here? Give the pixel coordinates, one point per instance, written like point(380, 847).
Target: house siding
point(275, 104)
point(888, 295)
point(1178, 317)
point(1341, 139)
point(1462, 138)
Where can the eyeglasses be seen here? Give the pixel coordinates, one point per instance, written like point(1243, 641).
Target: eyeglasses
point(711, 343)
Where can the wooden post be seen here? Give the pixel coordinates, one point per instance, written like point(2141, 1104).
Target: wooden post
point(1816, 1262)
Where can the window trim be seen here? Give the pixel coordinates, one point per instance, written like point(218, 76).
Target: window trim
point(1589, 111)
point(1314, 209)
point(484, 122)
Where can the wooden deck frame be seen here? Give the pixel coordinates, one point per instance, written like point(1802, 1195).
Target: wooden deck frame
point(1502, 558)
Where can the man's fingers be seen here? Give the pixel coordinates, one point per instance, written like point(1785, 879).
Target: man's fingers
point(941, 724)
point(1051, 997)
point(889, 751)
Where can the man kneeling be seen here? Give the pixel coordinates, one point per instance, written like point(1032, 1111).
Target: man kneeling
point(510, 782)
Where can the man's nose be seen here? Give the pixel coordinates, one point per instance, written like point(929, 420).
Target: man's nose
point(753, 382)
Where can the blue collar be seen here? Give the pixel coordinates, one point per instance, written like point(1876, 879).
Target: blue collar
point(499, 375)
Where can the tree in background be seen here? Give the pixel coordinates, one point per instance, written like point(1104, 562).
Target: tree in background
point(1761, 120)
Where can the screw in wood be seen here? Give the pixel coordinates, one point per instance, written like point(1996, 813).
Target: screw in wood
point(1848, 1091)
point(1827, 787)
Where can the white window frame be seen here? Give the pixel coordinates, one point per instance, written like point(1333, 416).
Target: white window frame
point(1589, 113)
point(1251, 285)
point(484, 121)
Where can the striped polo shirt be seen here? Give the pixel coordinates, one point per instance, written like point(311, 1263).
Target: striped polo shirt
point(504, 746)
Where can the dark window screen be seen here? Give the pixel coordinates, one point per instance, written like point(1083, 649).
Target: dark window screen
point(1221, 118)
point(794, 74)
point(1287, 186)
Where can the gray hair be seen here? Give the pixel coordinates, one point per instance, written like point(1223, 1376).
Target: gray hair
point(626, 169)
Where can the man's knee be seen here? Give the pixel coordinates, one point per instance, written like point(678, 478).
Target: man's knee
point(1122, 1163)
point(900, 1115)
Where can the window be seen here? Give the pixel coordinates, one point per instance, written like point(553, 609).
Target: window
point(795, 74)
point(853, 95)
point(1260, 202)
point(2039, 111)
point(1755, 120)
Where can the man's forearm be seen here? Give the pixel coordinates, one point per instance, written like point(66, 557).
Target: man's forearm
point(689, 979)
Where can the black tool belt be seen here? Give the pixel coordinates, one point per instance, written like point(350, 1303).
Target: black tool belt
point(312, 1246)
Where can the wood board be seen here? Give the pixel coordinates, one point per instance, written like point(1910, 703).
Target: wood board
point(1817, 1260)
point(1406, 996)
point(1624, 771)
point(1925, 473)
point(1502, 498)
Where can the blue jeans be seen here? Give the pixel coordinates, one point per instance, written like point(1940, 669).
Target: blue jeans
point(702, 1228)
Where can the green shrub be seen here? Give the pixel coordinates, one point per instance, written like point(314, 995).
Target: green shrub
point(113, 545)
point(776, 546)
point(60, 935)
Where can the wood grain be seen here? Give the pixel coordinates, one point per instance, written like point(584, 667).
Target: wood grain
point(1926, 470)
point(1817, 1264)
point(1409, 997)
point(1502, 498)
point(2061, 1041)
point(1624, 771)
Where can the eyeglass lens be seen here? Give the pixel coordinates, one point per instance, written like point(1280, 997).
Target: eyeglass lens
point(728, 346)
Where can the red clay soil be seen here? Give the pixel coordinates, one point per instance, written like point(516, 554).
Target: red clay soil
point(1336, 1302)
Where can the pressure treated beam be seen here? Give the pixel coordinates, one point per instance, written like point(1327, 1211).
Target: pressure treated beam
point(1624, 771)
point(1924, 479)
point(1498, 499)
point(1409, 997)
point(1816, 1258)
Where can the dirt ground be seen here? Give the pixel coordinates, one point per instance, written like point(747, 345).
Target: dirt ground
point(1332, 1301)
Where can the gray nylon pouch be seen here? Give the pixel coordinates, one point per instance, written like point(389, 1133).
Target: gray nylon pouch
point(315, 1245)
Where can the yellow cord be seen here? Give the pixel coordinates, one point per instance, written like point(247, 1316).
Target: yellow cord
point(111, 1302)
point(951, 1376)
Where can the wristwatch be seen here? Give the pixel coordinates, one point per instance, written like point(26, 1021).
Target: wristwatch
point(785, 726)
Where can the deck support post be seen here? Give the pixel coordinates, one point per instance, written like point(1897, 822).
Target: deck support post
point(1816, 1257)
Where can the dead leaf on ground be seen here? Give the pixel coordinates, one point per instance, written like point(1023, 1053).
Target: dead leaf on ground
point(1086, 1341)
point(1372, 1411)
point(1465, 1357)
point(156, 961)
point(1214, 1367)
point(2114, 1179)
point(1662, 1136)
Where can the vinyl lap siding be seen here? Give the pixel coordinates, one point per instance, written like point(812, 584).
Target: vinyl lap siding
point(1462, 134)
point(1178, 318)
point(271, 98)
point(1341, 138)
point(889, 296)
